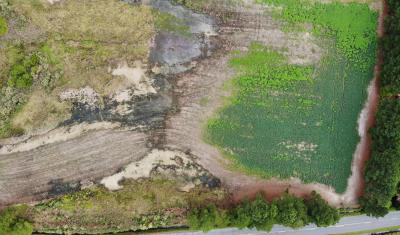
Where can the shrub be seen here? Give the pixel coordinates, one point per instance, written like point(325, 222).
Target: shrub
point(3, 26)
point(21, 74)
point(13, 221)
point(207, 218)
point(292, 211)
point(320, 212)
point(256, 214)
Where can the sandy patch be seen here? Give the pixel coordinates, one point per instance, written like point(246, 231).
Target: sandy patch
point(123, 109)
point(53, 1)
point(135, 77)
point(123, 96)
point(144, 167)
point(57, 135)
point(300, 147)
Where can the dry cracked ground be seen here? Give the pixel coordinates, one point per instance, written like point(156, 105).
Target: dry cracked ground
point(156, 113)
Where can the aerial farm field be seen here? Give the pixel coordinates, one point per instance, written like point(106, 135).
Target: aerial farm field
point(288, 120)
point(127, 115)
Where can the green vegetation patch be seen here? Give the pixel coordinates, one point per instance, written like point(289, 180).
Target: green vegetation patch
point(382, 173)
point(21, 73)
point(354, 31)
point(289, 120)
point(137, 206)
point(27, 70)
point(13, 221)
point(3, 26)
point(167, 22)
point(287, 210)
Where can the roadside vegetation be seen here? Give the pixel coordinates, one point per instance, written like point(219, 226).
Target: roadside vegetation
point(139, 205)
point(157, 203)
point(382, 173)
point(290, 120)
point(287, 210)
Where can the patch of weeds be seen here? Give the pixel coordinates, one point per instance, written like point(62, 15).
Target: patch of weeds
point(6, 9)
point(159, 219)
point(21, 73)
point(138, 205)
point(195, 5)
point(27, 71)
point(11, 101)
point(35, 67)
point(206, 6)
point(263, 68)
point(3, 26)
point(167, 22)
point(13, 221)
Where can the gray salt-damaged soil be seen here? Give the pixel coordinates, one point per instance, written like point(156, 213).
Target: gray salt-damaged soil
point(174, 50)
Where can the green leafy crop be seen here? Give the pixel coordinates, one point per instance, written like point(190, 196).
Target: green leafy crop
point(352, 25)
point(287, 120)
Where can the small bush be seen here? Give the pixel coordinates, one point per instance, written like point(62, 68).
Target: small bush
point(207, 218)
point(292, 211)
point(3, 26)
point(21, 74)
point(320, 212)
point(13, 221)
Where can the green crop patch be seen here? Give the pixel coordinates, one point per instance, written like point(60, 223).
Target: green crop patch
point(352, 25)
point(288, 120)
point(3, 26)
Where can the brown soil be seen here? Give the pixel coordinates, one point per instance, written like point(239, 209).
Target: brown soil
point(45, 171)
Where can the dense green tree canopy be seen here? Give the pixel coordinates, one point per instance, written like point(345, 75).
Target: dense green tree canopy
point(320, 212)
point(382, 173)
point(262, 215)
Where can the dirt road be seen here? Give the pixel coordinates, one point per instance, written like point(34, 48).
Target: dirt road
point(60, 167)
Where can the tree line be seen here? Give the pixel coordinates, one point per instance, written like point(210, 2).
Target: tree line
point(382, 172)
point(288, 210)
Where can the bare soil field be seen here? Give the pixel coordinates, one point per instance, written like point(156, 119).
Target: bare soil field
point(62, 167)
